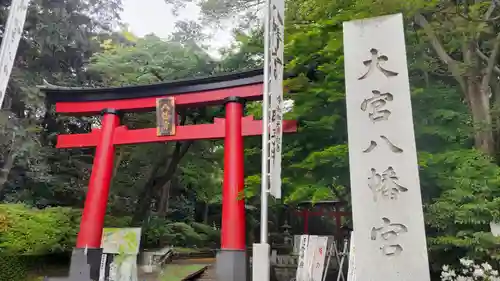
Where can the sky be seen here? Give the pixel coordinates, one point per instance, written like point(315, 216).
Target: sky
point(156, 17)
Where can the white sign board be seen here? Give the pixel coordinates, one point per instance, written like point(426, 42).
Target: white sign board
point(318, 266)
point(309, 259)
point(274, 70)
point(122, 246)
point(387, 212)
point(121, 240)
point(10, 42)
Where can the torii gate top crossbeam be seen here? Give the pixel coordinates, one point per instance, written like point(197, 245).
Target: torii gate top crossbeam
point(189, 93)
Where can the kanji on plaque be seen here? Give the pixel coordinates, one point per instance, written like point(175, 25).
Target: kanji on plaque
point(376, 63)
point(389, 233)
point(376, 106)
point(385, 184)
point(385, 189)
point(373, 144)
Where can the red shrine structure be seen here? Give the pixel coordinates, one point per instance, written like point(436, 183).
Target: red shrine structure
point(330, 209)
point(230, 90)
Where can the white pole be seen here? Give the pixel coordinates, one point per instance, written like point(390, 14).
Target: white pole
point(10, 42)
point(261, 261)
point(264, 193)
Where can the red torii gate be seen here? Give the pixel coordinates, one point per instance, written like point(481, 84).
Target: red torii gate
point(230, 89)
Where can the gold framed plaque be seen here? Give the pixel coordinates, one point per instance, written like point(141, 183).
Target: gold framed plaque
point(165, 116)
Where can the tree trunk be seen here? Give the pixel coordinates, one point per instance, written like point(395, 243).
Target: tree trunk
point(205, 213)
point(156, 182)
point(119, 159)
point(479, 103)
point(5, 171)
point(164, 199)
point(8, 163)
point(144, 198)
point(474, 83)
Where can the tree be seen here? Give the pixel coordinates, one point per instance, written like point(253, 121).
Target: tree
point(55, 45)
point(152, 60)
point(208, 183)
point(459, 183)
point(467, 47)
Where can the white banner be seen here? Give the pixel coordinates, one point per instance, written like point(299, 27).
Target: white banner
point(10, 42)
point(275, 74)
point(318, 266)
point(301, 267)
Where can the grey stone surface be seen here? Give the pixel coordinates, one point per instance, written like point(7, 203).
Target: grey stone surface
point(231, 265)
point(389, 231)
point(260, 267)
point(84, 266)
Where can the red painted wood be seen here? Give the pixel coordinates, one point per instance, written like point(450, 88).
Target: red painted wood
point(305, 214)
point(325, 213)
point(248, 92)
point(122, 135)
point(96, 200)
point(233, 205)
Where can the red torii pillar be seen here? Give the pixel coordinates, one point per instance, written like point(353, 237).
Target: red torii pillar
point(96, 199)
point(231, 260)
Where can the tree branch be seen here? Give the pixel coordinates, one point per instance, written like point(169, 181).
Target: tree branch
point(441, 52)
point(179, 152)
point(490, 10)
point(485, 58)
point(491, 63)
point(119, 159)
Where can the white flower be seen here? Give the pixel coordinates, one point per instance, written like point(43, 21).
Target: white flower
point(464, 278)
point(466, 262)
point(445, 267)
point(486, 266)
point(478, 272)
point(494, 273)
point(445, 276)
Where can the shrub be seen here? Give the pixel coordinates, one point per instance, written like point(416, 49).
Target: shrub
point(13, 268)
point(35, 232)
point(186, 236)
point(29, 231)
point(160, 232)
point(212, 235)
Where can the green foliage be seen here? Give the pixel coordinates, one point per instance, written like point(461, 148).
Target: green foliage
point(13, 268)
point(149, 60)
point(163, 232)
point(468, 186)
point(459, 184)
point(212, 235)
point(35, 232)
